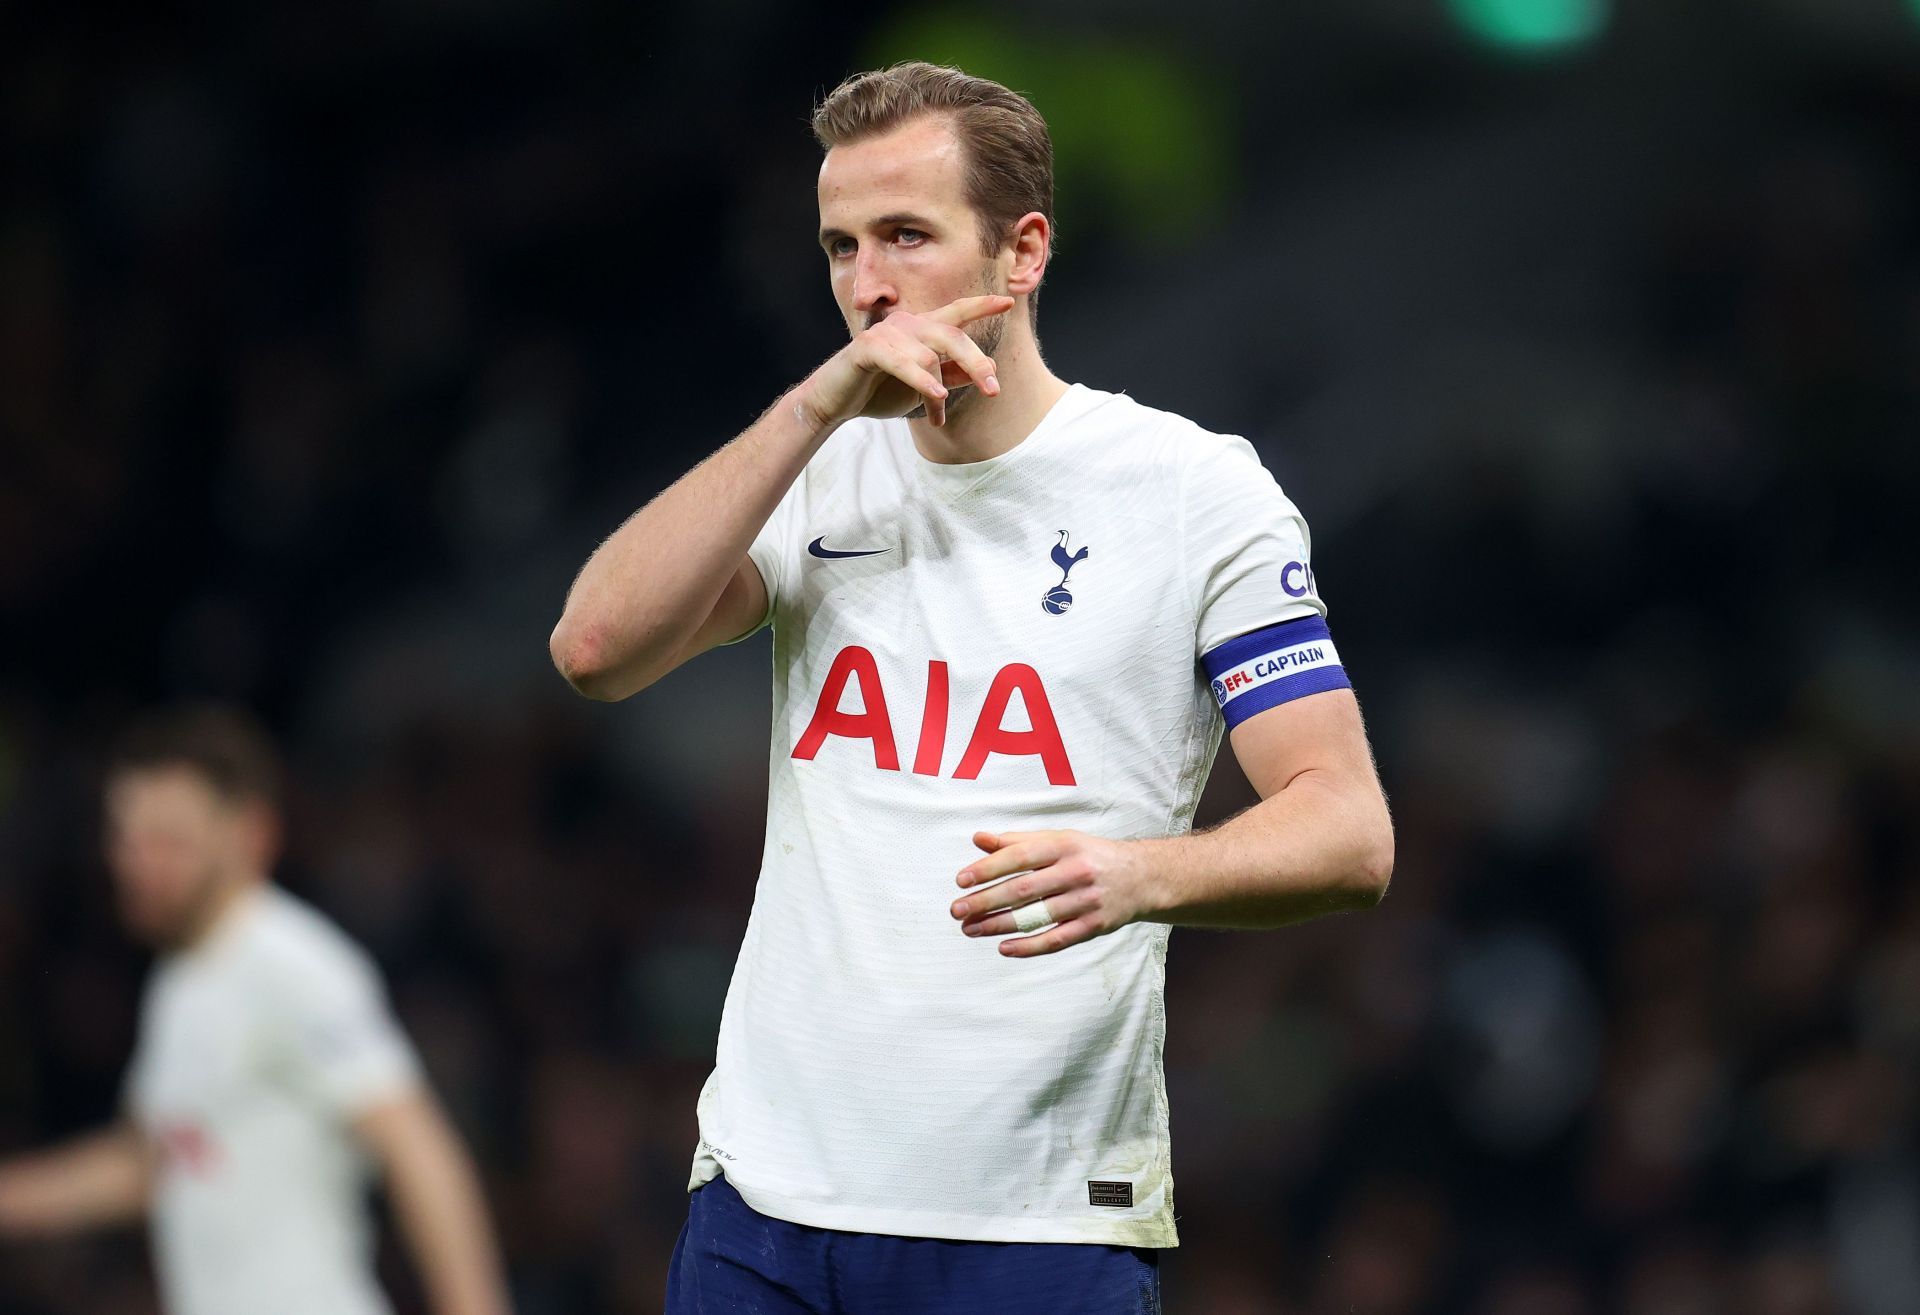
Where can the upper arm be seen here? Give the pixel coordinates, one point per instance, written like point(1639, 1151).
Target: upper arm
point(1318, 733)
point(1315, 749)
point(396, 1123)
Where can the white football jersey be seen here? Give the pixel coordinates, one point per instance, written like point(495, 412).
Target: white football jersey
point(1007, 645)
point(257, 1047)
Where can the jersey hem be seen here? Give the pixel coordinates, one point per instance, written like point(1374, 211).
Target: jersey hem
point(1157, 1232)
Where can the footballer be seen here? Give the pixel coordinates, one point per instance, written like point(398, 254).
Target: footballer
point(270, 1081)
point(1012, 619)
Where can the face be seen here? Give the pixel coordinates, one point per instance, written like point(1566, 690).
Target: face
point(175, 846)
point(898, 232)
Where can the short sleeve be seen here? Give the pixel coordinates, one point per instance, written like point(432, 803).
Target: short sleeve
point(345, 1048)
point(1247, 547)
point(1262, 637)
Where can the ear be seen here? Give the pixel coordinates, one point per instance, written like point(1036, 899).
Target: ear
point(1032, 246)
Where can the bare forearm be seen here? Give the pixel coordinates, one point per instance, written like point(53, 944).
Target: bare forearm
point(1318, 846)
point(645, 591)
point(442, 1215)
point(93, 1182)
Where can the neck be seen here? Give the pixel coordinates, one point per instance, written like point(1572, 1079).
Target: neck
point(221, 904)
point(985, 426)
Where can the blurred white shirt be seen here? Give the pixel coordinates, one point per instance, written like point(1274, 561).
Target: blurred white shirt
point(1012, 644)
point(257, 1048)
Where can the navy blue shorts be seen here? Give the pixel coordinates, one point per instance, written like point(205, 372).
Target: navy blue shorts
point(731, 1260)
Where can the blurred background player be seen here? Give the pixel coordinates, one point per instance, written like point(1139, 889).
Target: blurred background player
point(269, 1077)
point(901, 1117)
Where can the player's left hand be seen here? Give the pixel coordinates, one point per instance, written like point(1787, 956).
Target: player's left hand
point(1092, 886)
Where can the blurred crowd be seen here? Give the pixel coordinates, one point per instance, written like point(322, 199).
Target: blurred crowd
point(328, 349)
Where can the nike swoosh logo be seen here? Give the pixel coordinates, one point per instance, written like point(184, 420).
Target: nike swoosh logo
point(819, 551)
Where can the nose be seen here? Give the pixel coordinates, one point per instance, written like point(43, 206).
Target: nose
point(873, 291)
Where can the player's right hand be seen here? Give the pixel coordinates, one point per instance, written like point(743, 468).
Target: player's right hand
point(905, 361)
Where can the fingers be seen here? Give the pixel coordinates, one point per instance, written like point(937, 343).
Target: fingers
point(927, 354)
point(1073, 905)
point(1016, 851)
point(1061, 906)
point(1050, 941)
point(963, 351)
point(913, 364)
point(989, 841)
point(936, 346)
point(908, 346)
point(1007, 895)
point(1011, 894)
point(968, 309)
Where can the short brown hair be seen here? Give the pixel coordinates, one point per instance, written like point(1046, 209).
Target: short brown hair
point(228, 747)
point(1009, 154)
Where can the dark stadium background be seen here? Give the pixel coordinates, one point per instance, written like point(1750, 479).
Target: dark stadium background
point(333, 337)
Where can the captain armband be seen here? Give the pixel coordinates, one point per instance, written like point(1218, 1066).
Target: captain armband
point(1266, 668)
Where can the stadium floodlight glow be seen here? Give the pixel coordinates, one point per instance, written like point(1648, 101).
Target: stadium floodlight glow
point(1535, 26)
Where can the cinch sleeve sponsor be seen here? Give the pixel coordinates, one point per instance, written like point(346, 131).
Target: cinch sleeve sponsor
point(1276, 665)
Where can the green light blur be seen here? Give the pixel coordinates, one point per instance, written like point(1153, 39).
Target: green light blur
point(1137, 131)
point(1536, 26)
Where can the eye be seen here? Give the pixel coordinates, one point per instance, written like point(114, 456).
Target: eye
point(840, 246)
point(910, 236)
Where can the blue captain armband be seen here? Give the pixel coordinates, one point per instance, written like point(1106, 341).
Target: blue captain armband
point(1266, 668)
